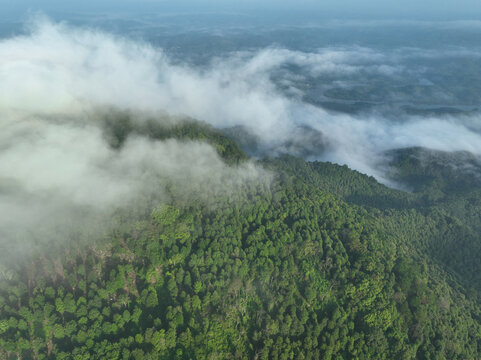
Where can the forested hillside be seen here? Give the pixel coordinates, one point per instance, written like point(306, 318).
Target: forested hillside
point(319, 262)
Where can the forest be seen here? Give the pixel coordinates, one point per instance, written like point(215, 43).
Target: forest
point(319, 262)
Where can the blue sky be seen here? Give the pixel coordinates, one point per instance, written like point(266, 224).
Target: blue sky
point(456, 9)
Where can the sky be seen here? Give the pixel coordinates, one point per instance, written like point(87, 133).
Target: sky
point(426, 9)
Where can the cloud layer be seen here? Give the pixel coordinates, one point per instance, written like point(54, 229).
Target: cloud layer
point(60, 173)
point(56, 163)
point(56, 69)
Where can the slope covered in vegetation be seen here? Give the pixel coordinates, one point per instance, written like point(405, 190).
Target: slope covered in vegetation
point(319, 262)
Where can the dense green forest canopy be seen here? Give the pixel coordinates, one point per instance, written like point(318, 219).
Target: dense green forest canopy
point(321, 262)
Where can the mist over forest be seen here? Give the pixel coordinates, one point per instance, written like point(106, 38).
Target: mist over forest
point(364, 100)
point(221, 185)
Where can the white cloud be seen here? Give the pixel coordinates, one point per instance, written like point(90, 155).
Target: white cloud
point(52, 146)
point(57, 166)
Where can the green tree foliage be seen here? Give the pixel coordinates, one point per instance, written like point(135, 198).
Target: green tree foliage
point(321, 263)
